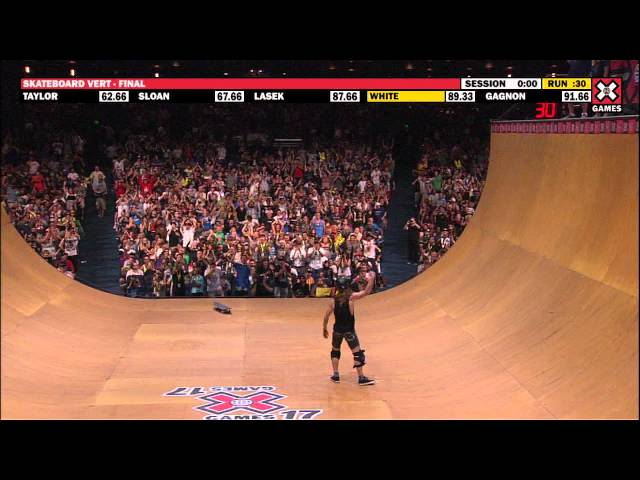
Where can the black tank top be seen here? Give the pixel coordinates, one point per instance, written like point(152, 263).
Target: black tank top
point(345, 321)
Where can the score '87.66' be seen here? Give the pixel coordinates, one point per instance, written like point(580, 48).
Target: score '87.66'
point(344, 96)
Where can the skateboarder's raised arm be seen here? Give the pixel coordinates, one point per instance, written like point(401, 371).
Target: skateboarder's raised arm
point(371, 278)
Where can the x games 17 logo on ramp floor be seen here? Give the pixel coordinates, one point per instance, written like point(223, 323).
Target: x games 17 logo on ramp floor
point(242, 403)
point(257, 402)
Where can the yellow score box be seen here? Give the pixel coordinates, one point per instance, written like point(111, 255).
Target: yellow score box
point(566, 84)
point(405, 96)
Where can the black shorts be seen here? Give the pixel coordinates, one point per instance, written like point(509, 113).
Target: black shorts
point(350, 337)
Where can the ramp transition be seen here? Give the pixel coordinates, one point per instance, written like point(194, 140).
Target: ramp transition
point(532, 314)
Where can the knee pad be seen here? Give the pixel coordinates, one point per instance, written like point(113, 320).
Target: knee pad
point(359, 358)
point(335, 353)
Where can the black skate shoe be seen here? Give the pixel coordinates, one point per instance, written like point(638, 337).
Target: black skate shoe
point(335, 378)
point(366, 381)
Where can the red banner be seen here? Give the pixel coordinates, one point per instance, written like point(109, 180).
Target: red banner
point(586, 126)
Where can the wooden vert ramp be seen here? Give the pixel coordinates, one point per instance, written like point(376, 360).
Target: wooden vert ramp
point(532, 314)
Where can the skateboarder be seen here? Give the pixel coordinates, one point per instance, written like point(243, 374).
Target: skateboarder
point(344, 328)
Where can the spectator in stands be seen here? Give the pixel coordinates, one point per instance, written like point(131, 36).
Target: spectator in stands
point(242, 275)
point(134, 280)
point(413, 240)
point(99, 186)
point(197, 284)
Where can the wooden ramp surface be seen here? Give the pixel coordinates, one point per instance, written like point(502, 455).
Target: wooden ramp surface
point(533, 314)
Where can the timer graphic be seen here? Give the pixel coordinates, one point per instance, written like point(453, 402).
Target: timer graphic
point(546, 110)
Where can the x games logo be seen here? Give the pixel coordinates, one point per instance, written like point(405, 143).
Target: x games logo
point(234, 403)
point(606, 91)
point(257, 402)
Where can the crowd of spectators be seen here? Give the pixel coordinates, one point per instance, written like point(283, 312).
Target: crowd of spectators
point(203, 210)
point(278, 224)
point(44, 192)
point(449, 180)
point(194, 219)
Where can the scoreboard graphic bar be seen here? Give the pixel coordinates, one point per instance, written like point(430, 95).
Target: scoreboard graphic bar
point(316, 90)
point(240, 84)
point(304, 96)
